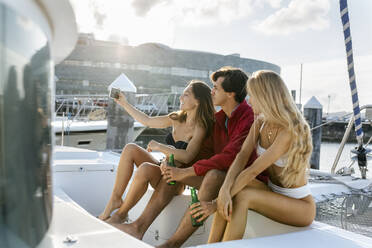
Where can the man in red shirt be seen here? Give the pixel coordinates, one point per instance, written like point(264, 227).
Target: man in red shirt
point(232, 125)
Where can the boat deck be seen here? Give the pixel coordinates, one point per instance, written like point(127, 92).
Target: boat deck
point(85, 178)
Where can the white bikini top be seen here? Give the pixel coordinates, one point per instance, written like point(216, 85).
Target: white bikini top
point(281, 162)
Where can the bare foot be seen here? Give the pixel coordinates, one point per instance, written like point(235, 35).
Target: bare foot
point(131, 229)
point(116, 219)
point(111, 206)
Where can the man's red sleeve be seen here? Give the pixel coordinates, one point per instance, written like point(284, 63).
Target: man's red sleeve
point(223, 160)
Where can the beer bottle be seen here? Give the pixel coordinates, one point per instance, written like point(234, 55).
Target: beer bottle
point(194, 199)
point(171, 163)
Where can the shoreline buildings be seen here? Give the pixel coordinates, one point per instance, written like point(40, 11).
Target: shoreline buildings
point(153, 67)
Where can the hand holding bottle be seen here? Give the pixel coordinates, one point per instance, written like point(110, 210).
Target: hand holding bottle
point(171, 173)
point(201, 210)
point(194, 200)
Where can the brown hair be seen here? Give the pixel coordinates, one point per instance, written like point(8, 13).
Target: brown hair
point(205, 111)
point(235, 80)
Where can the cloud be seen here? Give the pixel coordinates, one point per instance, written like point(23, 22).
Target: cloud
point(142, 7)
point(160, 18)
point(272, 3)
point(90, 15)
point(300, 15)
point(330, 77)
point(196, 12)
point(202, 12)
point(100, 18)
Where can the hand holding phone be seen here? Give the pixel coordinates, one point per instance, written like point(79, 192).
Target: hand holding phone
point(114, 93)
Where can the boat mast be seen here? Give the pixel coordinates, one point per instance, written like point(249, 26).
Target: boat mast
point(351, 72)
point(301, 86)
point(360, 150)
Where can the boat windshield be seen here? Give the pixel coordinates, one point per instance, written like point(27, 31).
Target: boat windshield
point(25, 137)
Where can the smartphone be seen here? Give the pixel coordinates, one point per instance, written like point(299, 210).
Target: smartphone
point(114, 93)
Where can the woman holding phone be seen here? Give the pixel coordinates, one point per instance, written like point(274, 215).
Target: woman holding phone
point(190, 126)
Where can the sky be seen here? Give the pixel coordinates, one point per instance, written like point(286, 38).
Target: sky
point(284, 32)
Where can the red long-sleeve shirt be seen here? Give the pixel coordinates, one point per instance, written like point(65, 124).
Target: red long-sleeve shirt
point(227, 142)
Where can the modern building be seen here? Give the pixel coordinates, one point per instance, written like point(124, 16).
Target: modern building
point(153, 67)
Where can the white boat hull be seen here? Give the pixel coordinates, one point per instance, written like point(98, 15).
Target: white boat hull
point(87, 177)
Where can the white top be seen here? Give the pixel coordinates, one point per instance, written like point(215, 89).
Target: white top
point(281, 162)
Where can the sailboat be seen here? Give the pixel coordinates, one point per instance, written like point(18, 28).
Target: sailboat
point(85, 133)
point(50, 195)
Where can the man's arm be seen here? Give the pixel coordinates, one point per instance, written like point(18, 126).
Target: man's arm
point(224, 159)
point(176, 174)
point(243, 155)
point(181, 173)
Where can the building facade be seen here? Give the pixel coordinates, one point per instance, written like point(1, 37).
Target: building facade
point(152, 67)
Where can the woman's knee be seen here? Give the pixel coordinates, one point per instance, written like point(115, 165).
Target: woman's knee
point(130, 148)
point(146, 171)
point(215, 176)
point(308, 216)
point(245, 197)
point(307, 222)
point(131, 152)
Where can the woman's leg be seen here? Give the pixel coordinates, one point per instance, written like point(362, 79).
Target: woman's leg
point(219, 223)
point(146, 173)
point(295, 212)
point(131, 154)
point(217, 229)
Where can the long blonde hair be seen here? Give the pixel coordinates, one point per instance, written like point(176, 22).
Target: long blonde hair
point(275, 103)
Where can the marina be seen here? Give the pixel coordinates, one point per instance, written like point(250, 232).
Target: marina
point(61, 137)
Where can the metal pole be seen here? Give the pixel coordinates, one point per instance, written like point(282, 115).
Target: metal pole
point(63, 128)
point(342, 145)
point(301, 84)
point(313, 114)
point(329, 103)
point(345, 138)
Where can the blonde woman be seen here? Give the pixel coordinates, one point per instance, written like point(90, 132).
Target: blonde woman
point(282, 140)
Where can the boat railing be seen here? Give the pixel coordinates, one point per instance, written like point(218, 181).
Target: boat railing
point(80, 106)
point(368, 109)
point(330, 122)
point(94, 107)
point(156, 104)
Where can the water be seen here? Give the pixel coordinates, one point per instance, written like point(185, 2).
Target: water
point(328, 150)
point(328, 153)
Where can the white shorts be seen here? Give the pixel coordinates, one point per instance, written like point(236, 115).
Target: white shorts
point(296, 193)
